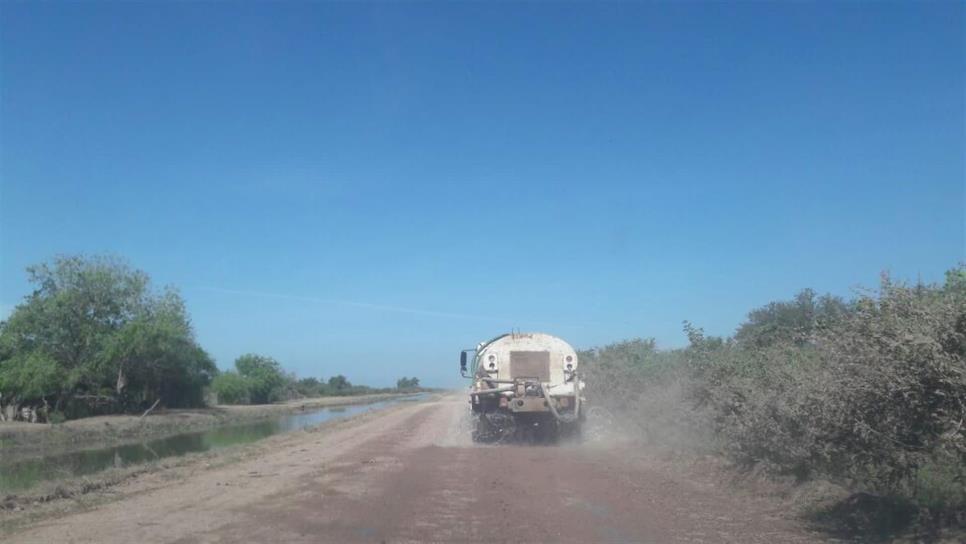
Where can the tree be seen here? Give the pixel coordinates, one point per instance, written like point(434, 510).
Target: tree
point(339, 382)
point(93, 329)
point(407, 383)
point(231, 388)
point(794, 321)
point(309, 387)
point(157, 358)
point(265, 377)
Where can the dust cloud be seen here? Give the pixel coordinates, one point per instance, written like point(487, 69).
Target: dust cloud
point(659, 419)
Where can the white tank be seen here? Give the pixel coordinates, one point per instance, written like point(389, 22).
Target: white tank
point(542, 357)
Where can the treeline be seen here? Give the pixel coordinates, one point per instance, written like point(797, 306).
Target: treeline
point(258, 379)
point(94, 338)
point(868, 392)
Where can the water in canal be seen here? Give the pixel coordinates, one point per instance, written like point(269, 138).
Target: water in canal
point(20, 475)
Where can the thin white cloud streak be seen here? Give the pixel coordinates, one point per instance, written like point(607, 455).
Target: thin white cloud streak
point(514, 322)
point(354, 304)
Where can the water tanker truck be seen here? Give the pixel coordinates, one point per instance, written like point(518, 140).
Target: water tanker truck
point(526, 387)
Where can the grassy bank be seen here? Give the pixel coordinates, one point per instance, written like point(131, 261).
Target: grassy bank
point(19, 440)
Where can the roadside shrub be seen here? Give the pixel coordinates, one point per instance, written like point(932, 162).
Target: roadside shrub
point(939, 485)
point(645, 390)
point(264, 376)
point(896, 385)
point(870, 393)
point(231, 388)
point(758, 403)
point(794, 321)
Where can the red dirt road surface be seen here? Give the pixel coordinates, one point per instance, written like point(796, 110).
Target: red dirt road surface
point(411, 474)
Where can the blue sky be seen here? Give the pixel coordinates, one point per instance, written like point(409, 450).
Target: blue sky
point(369, 188)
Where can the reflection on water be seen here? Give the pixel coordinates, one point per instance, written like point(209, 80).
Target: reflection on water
point(17, 476)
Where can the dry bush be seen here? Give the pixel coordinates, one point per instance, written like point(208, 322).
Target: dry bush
point(645, 392)
point(896, 384)
point(868, 400)
point(870, 393)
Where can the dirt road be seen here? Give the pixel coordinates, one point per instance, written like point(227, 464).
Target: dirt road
point(411, 475)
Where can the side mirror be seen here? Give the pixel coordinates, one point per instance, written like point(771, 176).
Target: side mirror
point(462, 362)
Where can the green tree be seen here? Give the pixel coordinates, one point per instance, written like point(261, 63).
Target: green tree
point(265, 376)
point(157, 357)
point(309, 387)
point(407, 383)
point(794, 321)
point(339, 382)
point(93, 329)
point(31, 375)
point(231, 388)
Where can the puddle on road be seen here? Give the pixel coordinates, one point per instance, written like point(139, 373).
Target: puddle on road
point(21, 475)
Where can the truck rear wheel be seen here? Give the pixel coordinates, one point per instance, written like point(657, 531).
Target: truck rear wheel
point(571, 432)
point(493, 427)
